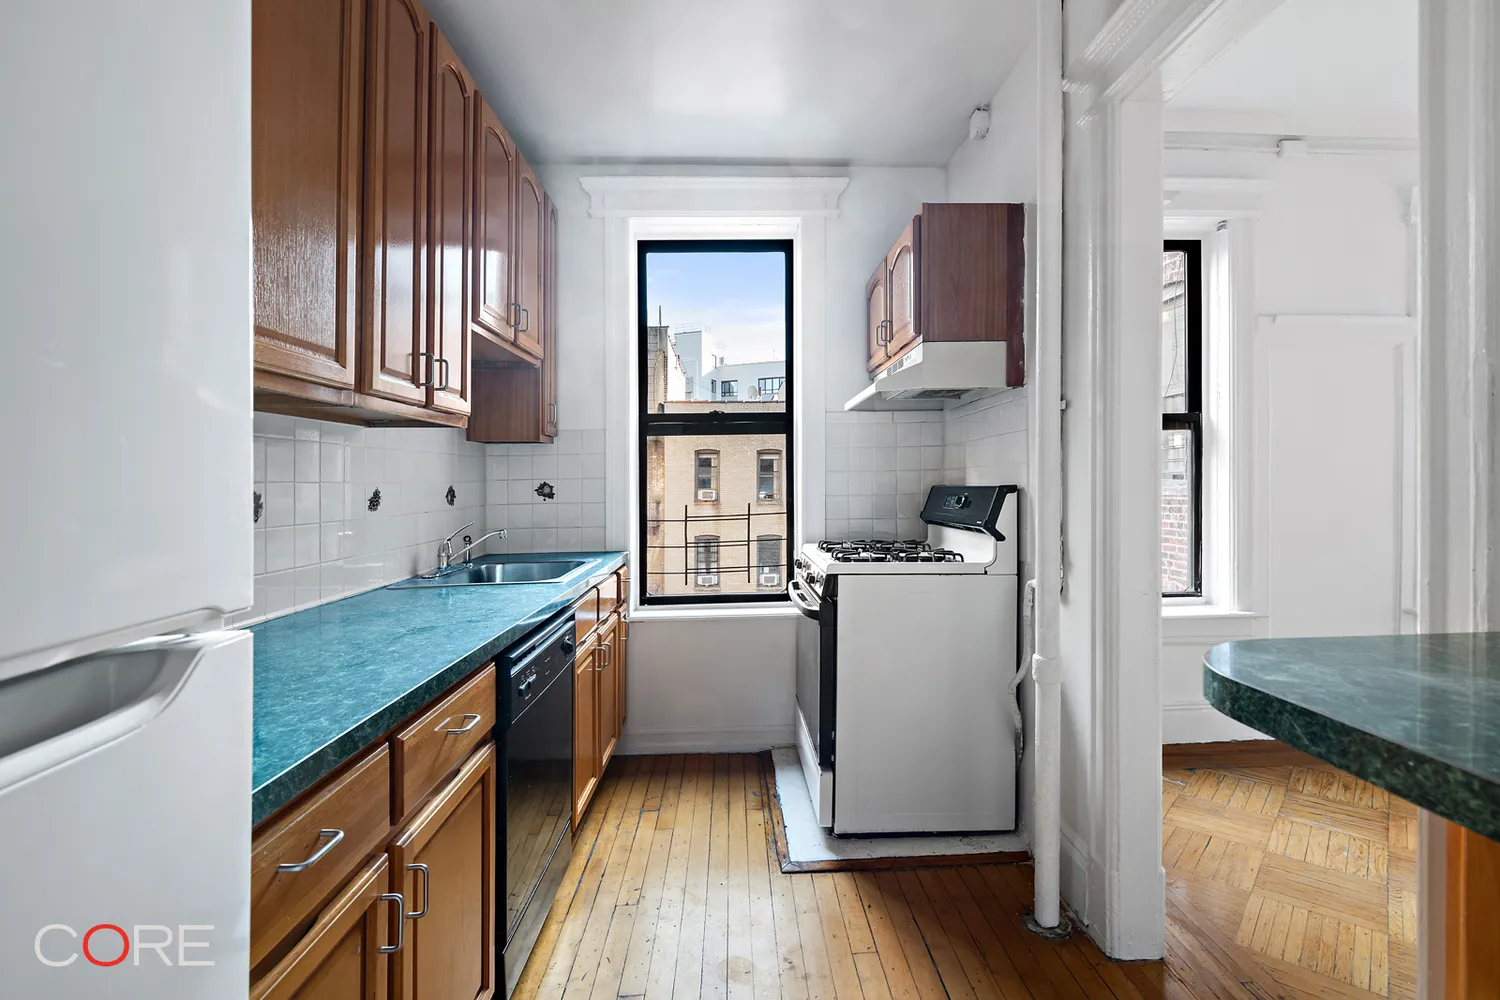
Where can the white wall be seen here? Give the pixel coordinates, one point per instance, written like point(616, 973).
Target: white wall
point(1329, 392)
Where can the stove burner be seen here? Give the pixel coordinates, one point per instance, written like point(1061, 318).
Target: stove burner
point(869, 550)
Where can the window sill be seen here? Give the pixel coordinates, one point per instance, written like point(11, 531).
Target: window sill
point(707, 612)
point(1208, 623)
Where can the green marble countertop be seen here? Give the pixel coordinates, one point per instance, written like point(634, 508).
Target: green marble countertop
point(1418, 715)
point(330, 680)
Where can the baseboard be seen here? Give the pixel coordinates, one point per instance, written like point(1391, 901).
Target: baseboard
point(1200, 722)
point(749, 739)
point(1235, 753)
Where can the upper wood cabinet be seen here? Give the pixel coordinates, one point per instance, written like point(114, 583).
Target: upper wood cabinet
point(307, 101)
point(450, 239)
point(445, 864)
point(549, 326)
point(904, 326)
point(401, 239)
point(957, 273)
point(877, 303)
point(531, 235)
point(396, 361)
point(494, 315)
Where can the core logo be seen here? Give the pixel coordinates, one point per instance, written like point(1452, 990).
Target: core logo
point(107, 945)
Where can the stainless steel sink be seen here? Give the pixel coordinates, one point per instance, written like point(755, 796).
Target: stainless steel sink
point(484, 572)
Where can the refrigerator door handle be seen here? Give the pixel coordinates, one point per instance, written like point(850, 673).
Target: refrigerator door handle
point(62, 713)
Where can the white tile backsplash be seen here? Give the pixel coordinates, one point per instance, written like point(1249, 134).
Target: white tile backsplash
point(317, 539)
point(573, 521)
point(879, 469)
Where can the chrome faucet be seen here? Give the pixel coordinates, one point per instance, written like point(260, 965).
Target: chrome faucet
point(445, 551)
point(468, 546)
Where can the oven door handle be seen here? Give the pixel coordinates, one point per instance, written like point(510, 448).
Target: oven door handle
point(803, 603)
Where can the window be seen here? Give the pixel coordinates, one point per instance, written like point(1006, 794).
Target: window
point(706, 475)
point(1182, 419)
point(715, 468)
point(706, 560)
point(765, 475)
point(768, 561)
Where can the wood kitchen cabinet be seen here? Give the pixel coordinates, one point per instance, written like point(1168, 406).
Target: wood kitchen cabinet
point(515, 399)
point(586, 769)
point(956, 273)
point(450, 249)
point(396, 361)
point(345, 955)
point(445, 863)
point(493, 316)
point(608, 680)
point(531, 253)
point(307, 134)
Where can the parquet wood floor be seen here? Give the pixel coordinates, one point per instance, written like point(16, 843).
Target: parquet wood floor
point(674, 892)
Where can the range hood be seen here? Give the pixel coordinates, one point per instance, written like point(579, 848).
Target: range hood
point(932, 372)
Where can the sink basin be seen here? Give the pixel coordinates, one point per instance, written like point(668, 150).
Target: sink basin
point(484, 572)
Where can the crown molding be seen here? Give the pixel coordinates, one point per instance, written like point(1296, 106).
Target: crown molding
point(621, 196)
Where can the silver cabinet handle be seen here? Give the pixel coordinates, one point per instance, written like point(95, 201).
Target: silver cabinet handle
point(446, 372)
point(552, 411)
point(604, 650)
point(426, 889)
point(526, 320)
point(470, 721)
point(431, 368)
point(400, 901)
point(516, 311)
point(302, 866)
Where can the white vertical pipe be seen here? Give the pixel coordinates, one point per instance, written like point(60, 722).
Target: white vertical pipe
point(1045, 425)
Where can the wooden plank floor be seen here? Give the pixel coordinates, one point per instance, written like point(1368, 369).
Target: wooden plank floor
point(673, 893)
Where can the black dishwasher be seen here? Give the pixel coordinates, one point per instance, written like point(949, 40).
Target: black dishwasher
point(537, 801)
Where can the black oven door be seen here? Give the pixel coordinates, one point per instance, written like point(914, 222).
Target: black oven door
point(817, 661)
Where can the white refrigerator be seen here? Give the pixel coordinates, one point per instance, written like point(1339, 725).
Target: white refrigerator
point(125, 499)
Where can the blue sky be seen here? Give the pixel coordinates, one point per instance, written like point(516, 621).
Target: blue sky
point(739, 300)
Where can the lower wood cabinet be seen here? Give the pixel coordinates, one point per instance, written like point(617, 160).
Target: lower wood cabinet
point(586, 770)
point(598, 708)
point(345, 956)
point(445, 862)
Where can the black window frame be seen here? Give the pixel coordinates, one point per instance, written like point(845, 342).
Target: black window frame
point(760, 386)
point(1191, 419)
point(729, 390)
point(719, 423)
point(774, 455)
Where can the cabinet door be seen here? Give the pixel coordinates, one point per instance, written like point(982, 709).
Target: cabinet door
point(549, 325)
point(450, 239)
point(446, 862)
point(877, 293)
point(395, 360)
point(607, 674)
point(531, 226)
point(494, 227)
point(906, 292)
point(340, 956)
point(621, 670)
point(307, 90)
point(585, 729)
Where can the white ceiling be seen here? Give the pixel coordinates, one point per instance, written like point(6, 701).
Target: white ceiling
point(1317, 58)
point(860, 81)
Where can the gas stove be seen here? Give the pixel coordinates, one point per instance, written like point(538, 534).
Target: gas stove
point(875, 551)
point(935, 619)
point(970, 530)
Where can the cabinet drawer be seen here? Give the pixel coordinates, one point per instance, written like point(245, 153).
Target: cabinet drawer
point(431, 748)
point(295, 864)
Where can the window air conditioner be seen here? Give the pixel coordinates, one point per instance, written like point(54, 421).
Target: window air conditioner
point(770, 579)
point(710, 495)
point(708, 579)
